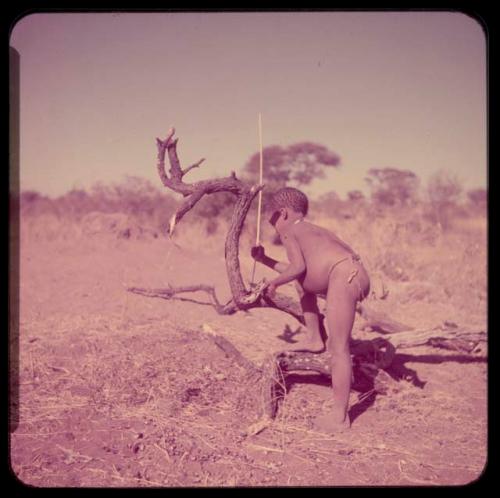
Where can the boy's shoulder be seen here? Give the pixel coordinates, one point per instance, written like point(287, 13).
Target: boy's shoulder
point(302, 228)
point(305, 225)
point(305, 229)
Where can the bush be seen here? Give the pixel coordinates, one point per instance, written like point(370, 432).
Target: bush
point(392, 187)
point(444, 193)
point(135, 198)
point(478, 200)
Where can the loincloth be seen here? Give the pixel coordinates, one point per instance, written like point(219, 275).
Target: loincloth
point(355, 260)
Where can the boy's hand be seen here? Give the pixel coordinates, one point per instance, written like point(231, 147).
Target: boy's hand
point(270, 290)
point(258, 253)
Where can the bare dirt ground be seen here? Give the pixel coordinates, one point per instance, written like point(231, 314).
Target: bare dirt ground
point(120, 390)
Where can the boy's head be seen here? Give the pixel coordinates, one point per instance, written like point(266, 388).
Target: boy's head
point(287, 199)
point(291, 198)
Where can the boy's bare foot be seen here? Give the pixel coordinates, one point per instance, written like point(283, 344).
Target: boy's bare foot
point(329, 425)
point(308, 347)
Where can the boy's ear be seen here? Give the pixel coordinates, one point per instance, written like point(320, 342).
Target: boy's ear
point(284, 213)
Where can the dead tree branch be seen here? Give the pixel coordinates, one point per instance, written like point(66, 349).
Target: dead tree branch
point(253, 299)
point(169, 292)
point(193, 192)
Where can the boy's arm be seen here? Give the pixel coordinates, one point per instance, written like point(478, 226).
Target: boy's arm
point(274, 264)
point(297, 264)
point(259, 255)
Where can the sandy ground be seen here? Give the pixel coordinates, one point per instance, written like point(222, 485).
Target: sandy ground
point(120, 390)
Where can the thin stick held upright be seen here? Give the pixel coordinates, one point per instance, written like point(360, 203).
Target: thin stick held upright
point(259, 205)
point(261, 169)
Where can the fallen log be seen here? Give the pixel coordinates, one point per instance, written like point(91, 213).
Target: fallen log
point(456, 339)
point(369, 359)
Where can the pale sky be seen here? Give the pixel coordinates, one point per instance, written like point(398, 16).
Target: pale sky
point(382, 89)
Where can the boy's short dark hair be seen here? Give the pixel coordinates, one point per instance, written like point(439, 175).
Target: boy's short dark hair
point(290, 197)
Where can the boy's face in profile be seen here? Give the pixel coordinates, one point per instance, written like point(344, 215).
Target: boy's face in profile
point(278, 217)
point(275, 215)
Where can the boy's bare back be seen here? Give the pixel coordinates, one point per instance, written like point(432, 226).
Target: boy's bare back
point(321, 250)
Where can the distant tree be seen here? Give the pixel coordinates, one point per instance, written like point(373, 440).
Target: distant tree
point(392, 187)
point(332, 205)
point(133, 195)
point(298, 164)
point(478, 199)
point(294, 166)
point(443, 188)
point(33, 202)
point(331, 196)
point(76, 202)
point(444, 192)
point(355, 195)
point(214, 205)
point(30, 196)
point(28, 200)
point(329, 202)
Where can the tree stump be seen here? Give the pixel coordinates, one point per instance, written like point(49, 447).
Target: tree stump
point(369, 359)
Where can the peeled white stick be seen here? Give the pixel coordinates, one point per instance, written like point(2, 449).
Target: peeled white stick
point(259, 205)
point(261, 168)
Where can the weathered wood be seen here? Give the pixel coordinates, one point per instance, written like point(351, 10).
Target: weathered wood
point(231, 351)
point(458, 339)
point(241, 208)
point(272, 385)
point(369, 358)
point(253, 299)
point(169, 292)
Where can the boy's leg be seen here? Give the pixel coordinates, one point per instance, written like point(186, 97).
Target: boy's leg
point(340, 312)
point(313, 341)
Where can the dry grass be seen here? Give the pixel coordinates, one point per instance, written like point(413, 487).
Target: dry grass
point(174, 413)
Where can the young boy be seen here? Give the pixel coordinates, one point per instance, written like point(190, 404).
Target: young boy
point(319, 263)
